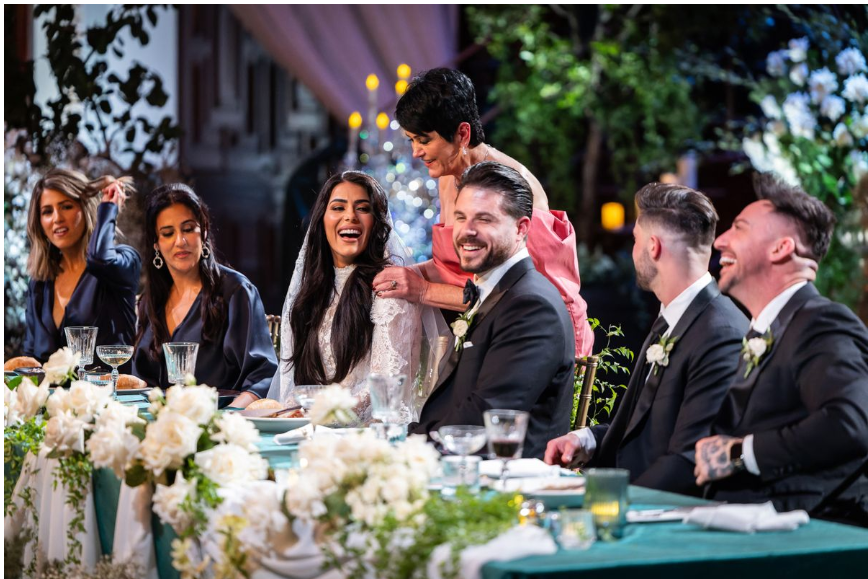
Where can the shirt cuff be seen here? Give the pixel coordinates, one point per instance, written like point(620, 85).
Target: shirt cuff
point(586, 440)
point(749, 457)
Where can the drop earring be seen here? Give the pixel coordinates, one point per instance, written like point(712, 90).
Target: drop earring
point(158, 259)
point(206, 252)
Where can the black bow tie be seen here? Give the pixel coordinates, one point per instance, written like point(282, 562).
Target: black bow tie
point(471, 293)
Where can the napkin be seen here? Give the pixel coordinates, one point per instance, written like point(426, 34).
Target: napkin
point(521, 467)
point(515, 543)
point(746, 518)
point(296, 435)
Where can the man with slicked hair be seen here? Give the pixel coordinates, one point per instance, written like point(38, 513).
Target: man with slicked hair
point(516, 349)
point(794, 425)
point(688, 359)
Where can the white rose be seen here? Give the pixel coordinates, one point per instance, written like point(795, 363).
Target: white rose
point(822, 83)
point(842, 136)
point(798, 49)
point(113, 446)
point(65, 433)
point(770, 107)
point(655, 354)
point(169, 440)
point(856, 89)
point(228, 464)
point(757, 346)
point(59, 365)
point(776, 63)
point(799, 74)
point(850, 61)
point(88, 399)
point(27, 400)
point(333, 404)
point(459, 328)
point(116, 412)
point(167, 500)
point(801, 120)
point(832, 107)
point(235, 429)
point(304, 499)
point(859, 126)
point(58, 402)
point(157, 400)
point(198, 403)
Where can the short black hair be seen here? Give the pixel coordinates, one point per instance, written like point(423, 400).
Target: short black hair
point(514, 190)
point(812, 218)
point(679, 209)
point(439, 100)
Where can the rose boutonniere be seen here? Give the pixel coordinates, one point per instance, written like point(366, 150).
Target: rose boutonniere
point(658, 354)
point(461, 326)
point(755, 349)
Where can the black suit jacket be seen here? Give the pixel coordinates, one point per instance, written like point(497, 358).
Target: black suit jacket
point(522, 358)
point(656, 427)
point(806, 405)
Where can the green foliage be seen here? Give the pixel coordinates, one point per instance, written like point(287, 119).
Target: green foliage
point(74, 472)
point(201, 498)
point(18, 441)
point(605, 392)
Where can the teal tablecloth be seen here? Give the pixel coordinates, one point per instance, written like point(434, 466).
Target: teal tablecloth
point(674, 550)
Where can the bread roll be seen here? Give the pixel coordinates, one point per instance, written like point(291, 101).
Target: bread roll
point(265, 404)
point(129, 382)
point(21, 362)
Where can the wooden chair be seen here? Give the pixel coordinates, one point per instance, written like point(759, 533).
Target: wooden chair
point(274, 331)
point(588, 365)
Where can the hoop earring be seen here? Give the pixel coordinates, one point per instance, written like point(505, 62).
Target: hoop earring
point(158, 260)
point(206, 252)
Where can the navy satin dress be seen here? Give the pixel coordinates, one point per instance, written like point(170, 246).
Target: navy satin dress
point(105, 296)
point(243, 356)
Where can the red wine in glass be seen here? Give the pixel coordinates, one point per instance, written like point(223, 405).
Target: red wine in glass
point(505, 448)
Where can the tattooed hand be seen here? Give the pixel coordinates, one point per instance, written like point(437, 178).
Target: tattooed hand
point(712, 458)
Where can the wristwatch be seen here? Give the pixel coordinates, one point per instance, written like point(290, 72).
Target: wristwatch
point(736, 457)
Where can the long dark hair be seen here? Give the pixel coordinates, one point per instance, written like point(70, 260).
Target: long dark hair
point(158, 282)
point(352, 330)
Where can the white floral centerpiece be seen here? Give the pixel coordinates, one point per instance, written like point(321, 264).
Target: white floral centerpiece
point(333, 405)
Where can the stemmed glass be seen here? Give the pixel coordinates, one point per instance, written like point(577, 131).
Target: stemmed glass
point(180, 360)
point(506, 430)
point(81, 340)
point(462, 440)
point(305, 394)
point(114, 356)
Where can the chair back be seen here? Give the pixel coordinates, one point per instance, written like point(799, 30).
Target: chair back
point(274, 331)
point(588, 366)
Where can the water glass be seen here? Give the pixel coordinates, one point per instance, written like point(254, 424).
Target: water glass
point(390, 432)
point(606, 498)
point(459, 471)
point(81, 340)
point(180, 360)
point(100, 378)
point(506, 430)
point(305, 394)
point(390, 396)
point(574, 529)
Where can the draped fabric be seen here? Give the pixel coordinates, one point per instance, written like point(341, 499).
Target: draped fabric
point(331, 49)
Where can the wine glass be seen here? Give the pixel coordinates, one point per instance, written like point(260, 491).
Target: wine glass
point(180, 360)
point(114, 356)
point(506, 430)
point(81, 340)
point(462, 440)
point(305, 394)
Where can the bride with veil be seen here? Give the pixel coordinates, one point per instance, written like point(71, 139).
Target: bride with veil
point(333, 330)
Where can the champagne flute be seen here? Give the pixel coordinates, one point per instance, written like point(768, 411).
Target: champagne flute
point(506, 430)
point(463, 440)
point(114, 356)
point(81, 340)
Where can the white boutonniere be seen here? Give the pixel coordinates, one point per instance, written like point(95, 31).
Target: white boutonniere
point(461, 326)
point(755, 349)
point(658, 354)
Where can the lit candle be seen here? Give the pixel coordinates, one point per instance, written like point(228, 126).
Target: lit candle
point(372, 83)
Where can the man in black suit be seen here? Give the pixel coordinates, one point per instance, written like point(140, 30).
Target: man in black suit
point(517, 350)
point(673, 395)
point(794, 424)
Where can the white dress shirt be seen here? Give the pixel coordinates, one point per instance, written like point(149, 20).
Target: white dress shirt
point(761, 324)
point(672, 313)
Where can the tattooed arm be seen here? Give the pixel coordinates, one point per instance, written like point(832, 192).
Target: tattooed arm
point(712, 458)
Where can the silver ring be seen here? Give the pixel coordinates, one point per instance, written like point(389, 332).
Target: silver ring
point(394, 285)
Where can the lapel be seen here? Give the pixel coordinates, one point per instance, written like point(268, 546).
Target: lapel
point(509, 279)
point(740, 392)
point(649, 390)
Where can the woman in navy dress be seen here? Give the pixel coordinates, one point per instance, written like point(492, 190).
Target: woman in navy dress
point(78, 275)
point(189, 297)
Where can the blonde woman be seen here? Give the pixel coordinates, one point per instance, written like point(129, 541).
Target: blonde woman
point(78, 275)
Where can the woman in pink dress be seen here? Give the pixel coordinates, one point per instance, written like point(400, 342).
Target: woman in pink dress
point(438, 114)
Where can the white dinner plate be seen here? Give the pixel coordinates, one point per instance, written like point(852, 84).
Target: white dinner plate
point(546, 489)
point(278, 424)
point(125, 391)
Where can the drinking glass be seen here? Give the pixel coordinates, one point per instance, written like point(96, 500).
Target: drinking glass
point(81, 340)
point(305, 394)
point(114, 356)
point(606, 498)
point(459, 471)
point(462, 440)
point(180, 360)
point(101, 378)
point(389, 398)
point(575, 529)
point(506, 430)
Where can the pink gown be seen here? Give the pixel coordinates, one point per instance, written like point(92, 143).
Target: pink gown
point(551, 243)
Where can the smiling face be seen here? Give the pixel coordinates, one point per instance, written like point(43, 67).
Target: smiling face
point(179, 238)
point(62, 219)
point(484, 236)
point(745, 248)
point(348, 222)
point(439, 155)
